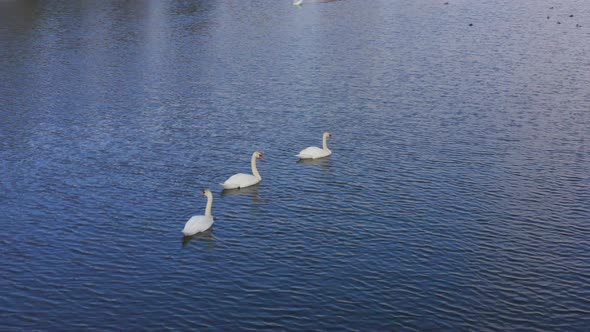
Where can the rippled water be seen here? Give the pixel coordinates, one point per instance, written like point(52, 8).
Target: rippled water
point(457, 197)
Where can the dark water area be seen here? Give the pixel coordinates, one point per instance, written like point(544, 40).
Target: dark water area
point(457, 197)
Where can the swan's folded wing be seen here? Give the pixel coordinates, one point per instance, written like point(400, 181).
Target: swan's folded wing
point(226, 185)
point(197, 224)
point(310, 152)
point(240, 180)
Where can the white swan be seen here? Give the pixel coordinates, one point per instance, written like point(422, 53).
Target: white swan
point(314, 152)
point(198, 224)
point(242, 180)
point(297, 2)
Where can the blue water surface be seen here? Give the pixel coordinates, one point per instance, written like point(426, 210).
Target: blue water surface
point(457, 197)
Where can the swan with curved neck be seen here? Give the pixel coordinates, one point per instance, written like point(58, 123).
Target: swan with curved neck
point(242, 180)
point(198, 224)
point(314, 152)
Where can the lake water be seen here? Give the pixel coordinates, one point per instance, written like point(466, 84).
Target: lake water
point(457, 197)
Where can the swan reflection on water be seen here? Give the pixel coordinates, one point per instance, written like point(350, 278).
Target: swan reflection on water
point(321, 161)
point(298, 3)
point(206, 237)
point(251, 192)
point(324, 164)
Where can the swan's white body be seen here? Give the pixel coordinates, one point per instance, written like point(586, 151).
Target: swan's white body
point(313, 152)
point(198, 224)
point(297, 2)
point(242, 180)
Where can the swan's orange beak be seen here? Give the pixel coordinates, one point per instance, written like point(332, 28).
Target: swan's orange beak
point(261, 157)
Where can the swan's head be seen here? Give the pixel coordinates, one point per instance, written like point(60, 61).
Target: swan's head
point(327, 134)
point(258, 155)
point(206, 193)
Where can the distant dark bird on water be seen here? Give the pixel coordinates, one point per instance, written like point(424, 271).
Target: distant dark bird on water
point(558, 22)
point(547, 16)
point(578, 26)
point(446, 3)
point(550, 7)
point(470, 24)
point(572, 15)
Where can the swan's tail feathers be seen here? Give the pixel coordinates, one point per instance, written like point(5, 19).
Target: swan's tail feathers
point(302, 155)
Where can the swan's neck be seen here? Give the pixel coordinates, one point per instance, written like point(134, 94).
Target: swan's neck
point(209, 204)
point(254, 169)
point(325, 143)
